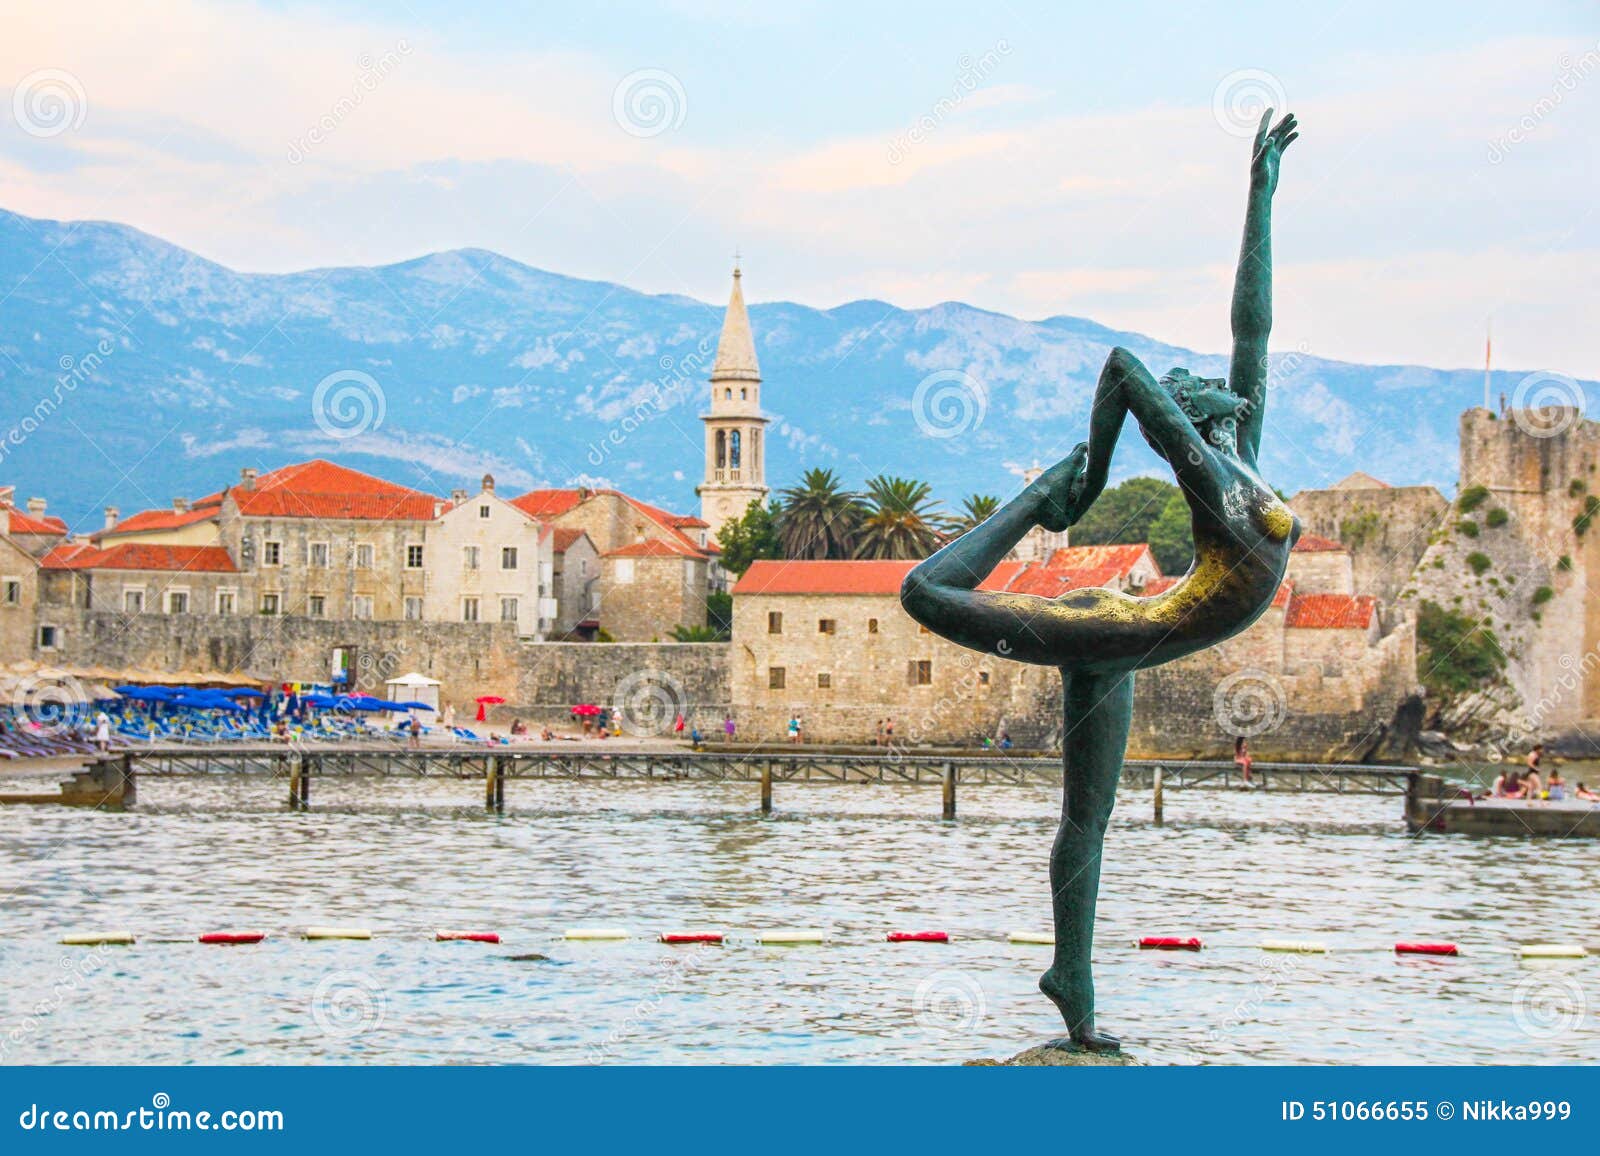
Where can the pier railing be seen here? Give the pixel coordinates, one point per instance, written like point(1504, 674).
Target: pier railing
point(493, 766)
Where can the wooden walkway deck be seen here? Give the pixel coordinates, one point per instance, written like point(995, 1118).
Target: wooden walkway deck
point(782, 765)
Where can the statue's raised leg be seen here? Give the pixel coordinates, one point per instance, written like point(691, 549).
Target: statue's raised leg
point(1098, 711)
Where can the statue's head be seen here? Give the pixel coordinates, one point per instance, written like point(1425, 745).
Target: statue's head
point(1207, 402)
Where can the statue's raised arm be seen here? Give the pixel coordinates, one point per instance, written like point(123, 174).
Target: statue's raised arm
point(1252, 284)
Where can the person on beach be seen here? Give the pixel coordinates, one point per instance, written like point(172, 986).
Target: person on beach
point(1209, 432)
point(416, 733)
point(1555, 789)
point(1242, 759)
point(102, 732)
point(1509, 786)
point(727, 729)
point(1584, 793)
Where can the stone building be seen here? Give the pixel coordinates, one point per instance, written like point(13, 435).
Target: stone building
point(1316, 675)
point(19, 600)
point(736, 469)
point(1385, 528)
point(489, 561)
point(576, 565)
point(32, 529)
point(656, 568)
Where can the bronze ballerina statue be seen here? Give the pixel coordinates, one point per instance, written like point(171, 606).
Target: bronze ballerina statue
point(1209, 431)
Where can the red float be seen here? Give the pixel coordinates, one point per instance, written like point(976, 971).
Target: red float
point(1426, 949)
point(919, 937)
point(233, 937)
point(691, 937)
point(466, 937)
point(1170, 943)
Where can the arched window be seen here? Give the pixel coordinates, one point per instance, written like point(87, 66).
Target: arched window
point(722, 449)
point(733, 450)
point(755, 450)
point(744, 394)
point(728, 394)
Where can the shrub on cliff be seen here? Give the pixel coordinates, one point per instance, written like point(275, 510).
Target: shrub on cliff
point(1456, 652)
point(1471, 498)
point(1496, 518)
point(1468, 527)
point(1479, 562)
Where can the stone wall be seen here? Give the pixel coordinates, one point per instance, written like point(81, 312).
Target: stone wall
point(468, 658)
point(643, 598)
point(1386, 530)
point(19, 576)
point(652, 682)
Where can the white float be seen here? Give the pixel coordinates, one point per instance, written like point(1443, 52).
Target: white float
point(98, 938)
point(1553, 951)
point(336, 933)
point(1045, 938)
point(792, 936)
point(1295, 946)
point(593, 933)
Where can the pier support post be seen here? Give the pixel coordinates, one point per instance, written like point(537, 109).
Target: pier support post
point(494, 792)
point(130, 792)
point(297, 781)
point(766, 787)
point(949, 790)
point(1159, 794)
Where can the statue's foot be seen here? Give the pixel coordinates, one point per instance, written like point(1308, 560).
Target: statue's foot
point(1083, 1037)
point(1094, 1042)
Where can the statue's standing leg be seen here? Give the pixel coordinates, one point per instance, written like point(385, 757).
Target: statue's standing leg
point(1098, 710)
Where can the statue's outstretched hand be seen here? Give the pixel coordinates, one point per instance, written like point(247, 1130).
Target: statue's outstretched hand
point(1269, 146)
point(1060, 490)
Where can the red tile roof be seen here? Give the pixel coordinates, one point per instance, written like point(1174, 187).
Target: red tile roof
point(1312, 544)
point(321, 489)
point(1122, 557)
point(148, 520)
point(655, 548)
point(1158, 586)
point(1281, 598)
point(566, 537)
point(139, 556)
point(554, 503)
point(23, 523)
point(1331, 611)
point(793, 576)
point(1049, 582)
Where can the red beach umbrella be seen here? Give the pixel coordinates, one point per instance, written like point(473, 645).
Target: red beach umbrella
point(484, 700)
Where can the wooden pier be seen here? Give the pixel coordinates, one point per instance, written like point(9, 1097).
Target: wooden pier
point(493, 767)
point(1432, 804)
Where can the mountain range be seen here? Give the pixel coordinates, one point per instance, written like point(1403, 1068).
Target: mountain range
point(134, 371)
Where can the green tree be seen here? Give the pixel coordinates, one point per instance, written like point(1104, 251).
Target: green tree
point(1172, 536)
point(695, 634)
point(975, 508)
point(753, 535)
point(1125, 513)
point(719, 613)
point(819, 517)
point(1456, 653)
point(902, 520)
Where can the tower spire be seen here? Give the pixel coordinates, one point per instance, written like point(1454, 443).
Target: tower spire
point(735, 428)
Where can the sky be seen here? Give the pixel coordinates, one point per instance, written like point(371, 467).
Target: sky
point(1031, 159)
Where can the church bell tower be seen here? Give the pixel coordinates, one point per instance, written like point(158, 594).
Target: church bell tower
point(735, 429)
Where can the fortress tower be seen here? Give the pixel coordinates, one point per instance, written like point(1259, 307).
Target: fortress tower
point(735, 449)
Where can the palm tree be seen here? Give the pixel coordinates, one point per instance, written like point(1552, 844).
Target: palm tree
point(819, 518)
point(975, 508)
point(902, 520)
